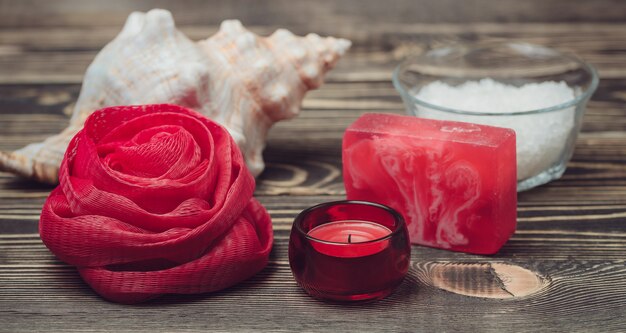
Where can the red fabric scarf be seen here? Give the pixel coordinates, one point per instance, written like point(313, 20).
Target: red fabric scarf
point(154, 200)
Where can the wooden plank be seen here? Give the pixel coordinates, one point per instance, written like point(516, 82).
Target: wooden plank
point(39, 55)
point(377, 37)
point(42, 291)
point(316, 172)
point(555, 231)
point(42, 110)
point(358, 14)
point(310, 164)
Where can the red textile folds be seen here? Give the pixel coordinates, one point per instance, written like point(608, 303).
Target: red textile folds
point(154, 200)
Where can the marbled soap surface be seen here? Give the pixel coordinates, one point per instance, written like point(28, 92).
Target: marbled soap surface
point(454, 183)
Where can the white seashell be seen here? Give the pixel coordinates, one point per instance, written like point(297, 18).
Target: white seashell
point(243, 81)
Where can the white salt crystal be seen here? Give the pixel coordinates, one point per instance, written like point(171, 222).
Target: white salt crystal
point(541, 137)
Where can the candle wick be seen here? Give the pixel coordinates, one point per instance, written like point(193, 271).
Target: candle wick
point(349, 238)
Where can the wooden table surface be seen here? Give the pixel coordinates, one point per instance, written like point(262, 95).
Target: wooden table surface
point(563, 270)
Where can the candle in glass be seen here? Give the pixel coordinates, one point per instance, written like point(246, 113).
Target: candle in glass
point(349, 251)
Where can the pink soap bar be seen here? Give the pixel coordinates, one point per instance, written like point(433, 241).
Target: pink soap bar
point(454, 183)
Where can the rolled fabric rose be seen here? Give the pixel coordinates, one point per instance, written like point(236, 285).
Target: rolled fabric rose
point(154, 200)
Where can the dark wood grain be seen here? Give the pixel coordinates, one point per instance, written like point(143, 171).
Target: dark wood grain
point(65, 54)
point(42, 289)
point(563, 270)
point(311, 15)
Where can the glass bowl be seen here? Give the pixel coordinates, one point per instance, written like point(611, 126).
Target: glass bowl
point(545, 136)
point(347, 251)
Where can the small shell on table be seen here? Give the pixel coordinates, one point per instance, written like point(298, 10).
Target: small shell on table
point(243, 81)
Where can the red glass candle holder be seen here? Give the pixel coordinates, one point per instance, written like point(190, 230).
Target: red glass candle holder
point(349, 250)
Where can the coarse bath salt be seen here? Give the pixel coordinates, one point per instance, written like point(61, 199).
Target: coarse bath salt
point(541, 136)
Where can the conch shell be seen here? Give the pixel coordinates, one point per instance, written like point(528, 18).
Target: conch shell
point(242, 81)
